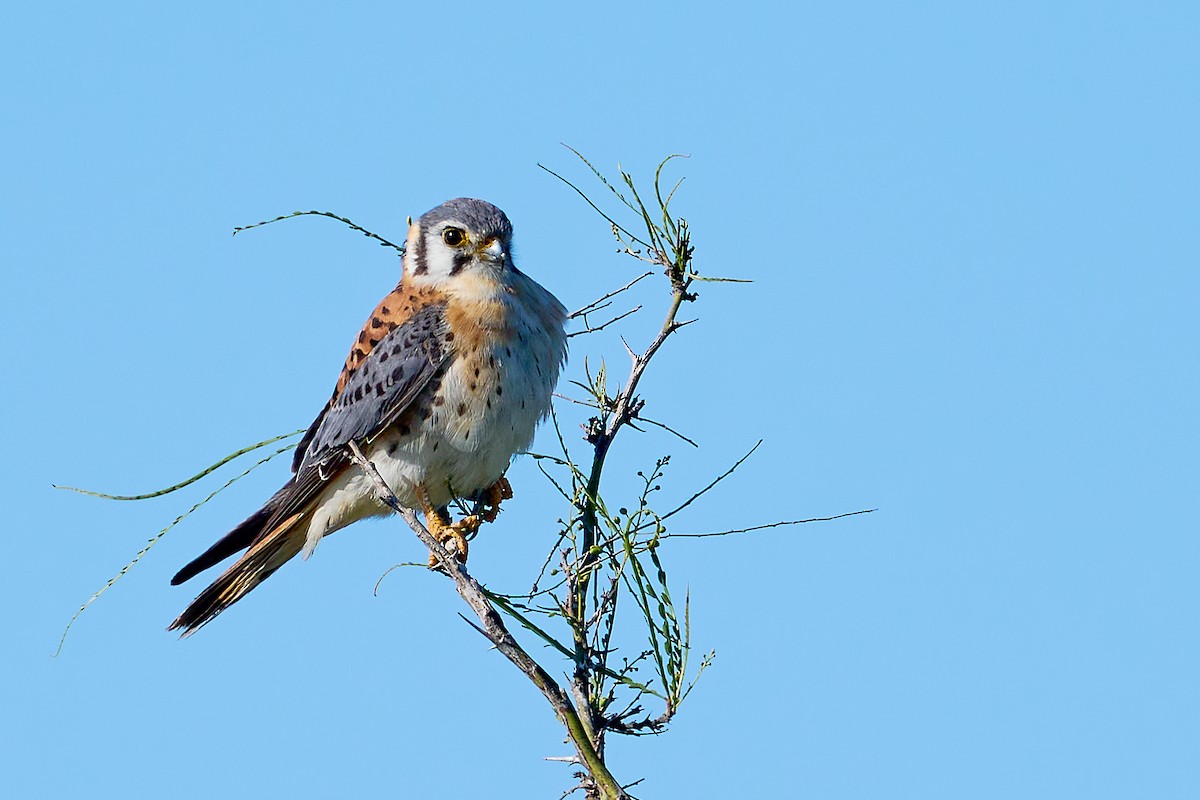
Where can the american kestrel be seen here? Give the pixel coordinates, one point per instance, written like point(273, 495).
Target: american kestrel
point(445, 383)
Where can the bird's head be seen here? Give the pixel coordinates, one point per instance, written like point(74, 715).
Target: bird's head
point(463, 242)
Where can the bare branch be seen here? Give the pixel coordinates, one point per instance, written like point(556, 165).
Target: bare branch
point(593, 329)
point(715, 481)
point(492, 627)
point(666, 428)
point(595, 304)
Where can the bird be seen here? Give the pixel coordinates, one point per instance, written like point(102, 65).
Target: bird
point(444, 384)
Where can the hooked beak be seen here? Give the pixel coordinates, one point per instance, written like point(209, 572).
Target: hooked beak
point(494, 251)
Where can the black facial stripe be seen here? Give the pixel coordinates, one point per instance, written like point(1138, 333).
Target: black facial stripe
point(461, 259)
point(422, 267)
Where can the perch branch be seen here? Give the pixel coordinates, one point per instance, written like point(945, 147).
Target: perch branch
point(492, 626)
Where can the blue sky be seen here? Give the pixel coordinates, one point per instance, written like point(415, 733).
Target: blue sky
point(972, 234)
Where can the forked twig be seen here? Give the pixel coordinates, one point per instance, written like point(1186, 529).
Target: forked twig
point(595, 304)
point(594, 328)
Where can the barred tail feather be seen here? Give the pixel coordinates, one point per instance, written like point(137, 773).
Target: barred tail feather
point(241, 537)
point(272, 550)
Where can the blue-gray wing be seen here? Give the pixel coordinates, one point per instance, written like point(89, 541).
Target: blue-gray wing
point(384, 385)
point(390, 378)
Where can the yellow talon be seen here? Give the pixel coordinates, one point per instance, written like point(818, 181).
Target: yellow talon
point(442, 531)
point(498, 492)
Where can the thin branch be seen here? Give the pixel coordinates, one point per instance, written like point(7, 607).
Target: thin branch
point(667, 247)
point(592, 306)
point(206, 471)
point(393, 568)
point(600, 176)
point(638, 417)
point(591, 329)
point(764, 527)
point(596, 208)
point(708, 279)
point(492, 627)
point(666, 428)
point(157, 537)
point(715, 481)
point(587, 403)
point(397, 247)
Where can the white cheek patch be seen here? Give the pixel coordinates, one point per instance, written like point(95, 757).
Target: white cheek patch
point(439, 258)
point(430, 260)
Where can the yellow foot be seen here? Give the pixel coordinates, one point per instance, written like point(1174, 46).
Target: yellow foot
point(440, 528)
point(498, 492)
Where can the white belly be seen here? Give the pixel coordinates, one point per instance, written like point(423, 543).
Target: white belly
point(472, 435)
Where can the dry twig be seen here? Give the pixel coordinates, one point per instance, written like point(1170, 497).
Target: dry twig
point(493, 627)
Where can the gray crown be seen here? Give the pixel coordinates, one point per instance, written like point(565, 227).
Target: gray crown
point(480, 216)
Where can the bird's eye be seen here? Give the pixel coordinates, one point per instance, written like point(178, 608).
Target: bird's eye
point(453, 236)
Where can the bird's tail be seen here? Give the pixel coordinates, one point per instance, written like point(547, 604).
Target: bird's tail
point(237, 539)
point(266, 555)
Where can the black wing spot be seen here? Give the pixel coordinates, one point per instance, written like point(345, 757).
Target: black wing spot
point(396, 383)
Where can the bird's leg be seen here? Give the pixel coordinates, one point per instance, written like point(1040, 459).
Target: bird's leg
point(492, 497)
point(438, 522)
point(440, 529)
